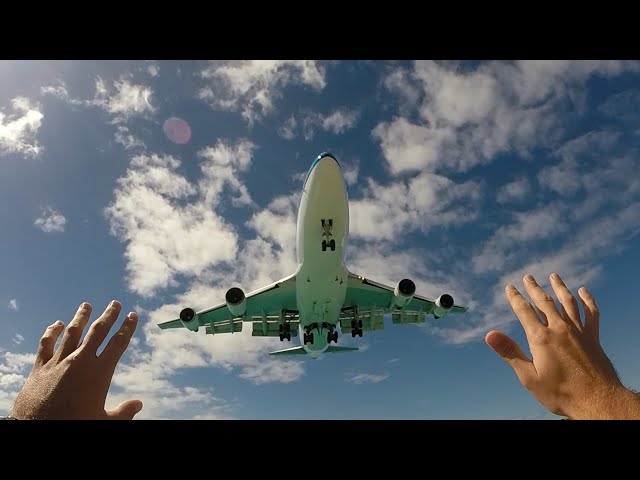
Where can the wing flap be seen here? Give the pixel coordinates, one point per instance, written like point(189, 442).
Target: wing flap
point(224, 327)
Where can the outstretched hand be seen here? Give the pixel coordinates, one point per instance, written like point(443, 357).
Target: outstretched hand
point(570, 374)
point(73, 381)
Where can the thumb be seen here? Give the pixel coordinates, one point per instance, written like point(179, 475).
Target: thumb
point(125, 411)
point(511, 352)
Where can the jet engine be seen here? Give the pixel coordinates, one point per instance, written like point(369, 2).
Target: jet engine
point(236, 301)
point(189, 319)
point(403, 292)
point(444, 303)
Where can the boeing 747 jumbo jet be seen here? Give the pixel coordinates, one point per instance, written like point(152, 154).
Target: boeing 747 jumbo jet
point(322, 293)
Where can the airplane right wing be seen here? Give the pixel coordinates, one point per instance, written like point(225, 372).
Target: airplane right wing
point(266, 307)
point(368, 301)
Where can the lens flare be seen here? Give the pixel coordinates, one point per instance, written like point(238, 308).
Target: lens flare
point(177, 130)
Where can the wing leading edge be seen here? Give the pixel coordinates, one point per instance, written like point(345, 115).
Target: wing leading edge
point(264, 307)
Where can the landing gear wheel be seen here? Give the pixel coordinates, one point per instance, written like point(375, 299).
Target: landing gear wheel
point(332, 244)
point(353, 333)
point(360, 332)
point(324, 245)
point(335, 337)
point(282, 337)
point(288, 336)
point(360, 324)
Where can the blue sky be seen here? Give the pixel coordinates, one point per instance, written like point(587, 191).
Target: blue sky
point(463, 176)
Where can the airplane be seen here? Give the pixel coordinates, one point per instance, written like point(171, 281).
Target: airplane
point(322, 293)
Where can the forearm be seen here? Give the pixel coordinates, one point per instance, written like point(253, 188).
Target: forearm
point(612, 403)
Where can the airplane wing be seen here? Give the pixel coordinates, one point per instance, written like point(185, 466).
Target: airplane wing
point(372, 300)
point(265, 307)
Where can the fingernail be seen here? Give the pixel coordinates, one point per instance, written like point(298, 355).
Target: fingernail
point(555, 276)
point(528, 277)
point(132, 316)
point(582, 290)
point(83, 306)
point(58, 323)
point(113, 303)
point(510, 287)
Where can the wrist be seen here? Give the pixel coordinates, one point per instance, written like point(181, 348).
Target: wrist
point(612, 402)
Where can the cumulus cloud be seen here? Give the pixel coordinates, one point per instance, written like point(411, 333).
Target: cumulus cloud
point(19, 127)
point(51, 221)
point(13, 305)
point(586, 225)
point(14, 369)
point(339, 121)
point(169, 226)
point(513, 191)
point(466, 117)
point(360, 378)
point(124, 99)
point(252, 86)
point(420, 203)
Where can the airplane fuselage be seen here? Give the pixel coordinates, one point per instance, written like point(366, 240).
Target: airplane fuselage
point(322, 230)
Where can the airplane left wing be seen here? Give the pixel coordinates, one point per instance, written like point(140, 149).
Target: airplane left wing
point(372, 300)
point(266, 307)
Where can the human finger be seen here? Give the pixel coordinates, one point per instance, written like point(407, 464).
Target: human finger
point(120, 341)
point(509, 350)
point(125, 411)
point(542, 300)
point(47, 342)
point(523, 310)
point(73, 332)
point(100, 328)
point(591, 313)
point(571, 312)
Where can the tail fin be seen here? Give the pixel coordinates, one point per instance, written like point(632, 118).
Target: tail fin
point(290, 351)
point(302, 351)
point(336, 349)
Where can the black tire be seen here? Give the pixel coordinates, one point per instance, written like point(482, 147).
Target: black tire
point(360, 324)
point(324, 245)
point(360, 333)
point(289, 337)
point(281, 337)
point(353, 333)
point(332, 244)
point(335, 337)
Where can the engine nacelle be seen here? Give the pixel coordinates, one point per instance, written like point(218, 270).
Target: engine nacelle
point(403, 292)
point(236, 301)
point(189, 319)
point(444, 303)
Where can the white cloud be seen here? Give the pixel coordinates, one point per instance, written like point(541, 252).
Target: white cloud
point(124, 100)
point(19, 128)
point(13, 305)
point(420, 203)
point(14, 368)
point(124, 137)
point(17, 339)
point(153, 69)
point(585, 230)
point(288, 129)
point(251, 86)
point(467, 117)
point(339, 121)
point(51, 221)
point(513, 191)
point(514, 239)
point(173, 234)
point(360, 378)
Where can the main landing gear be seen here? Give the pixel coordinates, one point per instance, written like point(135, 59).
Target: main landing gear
point(285, 331)
point(356, 328)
